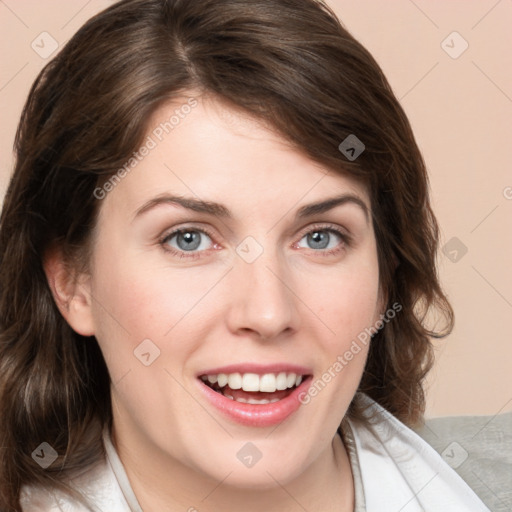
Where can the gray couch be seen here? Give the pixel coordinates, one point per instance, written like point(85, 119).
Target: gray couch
point(479, 448)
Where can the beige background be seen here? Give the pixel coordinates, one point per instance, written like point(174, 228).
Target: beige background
point(461, 111)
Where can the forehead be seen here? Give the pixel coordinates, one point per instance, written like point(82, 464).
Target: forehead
point(213, 152)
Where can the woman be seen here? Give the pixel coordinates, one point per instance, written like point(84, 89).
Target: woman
point(217, 255)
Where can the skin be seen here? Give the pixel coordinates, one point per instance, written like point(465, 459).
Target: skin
point(293, 304)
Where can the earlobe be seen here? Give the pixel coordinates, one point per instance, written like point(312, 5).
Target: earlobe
point(71, 292)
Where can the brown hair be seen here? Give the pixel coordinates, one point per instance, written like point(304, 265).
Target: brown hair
point(287, 62)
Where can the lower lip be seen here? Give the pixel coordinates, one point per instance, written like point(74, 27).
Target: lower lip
point(252, 415)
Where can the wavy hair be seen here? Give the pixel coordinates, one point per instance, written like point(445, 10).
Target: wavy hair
point(289, 63)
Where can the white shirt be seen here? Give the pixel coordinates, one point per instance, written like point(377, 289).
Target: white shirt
point(394, 470)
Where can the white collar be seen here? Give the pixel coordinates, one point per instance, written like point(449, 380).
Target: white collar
point(401, 472)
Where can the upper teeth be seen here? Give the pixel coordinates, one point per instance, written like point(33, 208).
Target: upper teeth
point(269, 382)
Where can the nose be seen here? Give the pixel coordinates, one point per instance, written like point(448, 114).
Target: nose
point(262, 302)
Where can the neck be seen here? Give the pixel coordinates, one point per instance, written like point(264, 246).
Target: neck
point(165, 484)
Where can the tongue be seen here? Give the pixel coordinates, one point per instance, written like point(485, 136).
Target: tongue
point(258, 395)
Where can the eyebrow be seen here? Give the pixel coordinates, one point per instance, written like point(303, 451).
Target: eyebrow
point(324, 206)
point(216, 209)
point(219, 210)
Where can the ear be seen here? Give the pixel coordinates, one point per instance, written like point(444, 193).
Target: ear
point(71, 292)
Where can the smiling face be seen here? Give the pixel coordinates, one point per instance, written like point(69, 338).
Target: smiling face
point(226, 269)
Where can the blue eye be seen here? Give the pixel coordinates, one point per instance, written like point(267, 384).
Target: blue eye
point(321, 239)
point(188, 240)
point(196, 243)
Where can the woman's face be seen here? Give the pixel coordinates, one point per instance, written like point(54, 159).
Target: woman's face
point(225, 255)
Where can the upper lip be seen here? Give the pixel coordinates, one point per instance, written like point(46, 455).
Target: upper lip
point(259, 369)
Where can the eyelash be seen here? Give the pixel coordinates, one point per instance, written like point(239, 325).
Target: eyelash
point(346, 241)
point(183, 254)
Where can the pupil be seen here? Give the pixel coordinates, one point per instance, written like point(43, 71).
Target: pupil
point(319, 240)
point(188, 241)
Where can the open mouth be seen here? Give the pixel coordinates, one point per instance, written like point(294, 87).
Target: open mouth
point(251, 388)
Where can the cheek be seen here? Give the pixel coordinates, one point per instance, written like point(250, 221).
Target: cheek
point(133, 301)
point(346, 301)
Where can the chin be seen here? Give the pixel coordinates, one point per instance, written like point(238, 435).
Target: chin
point(242, 465)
